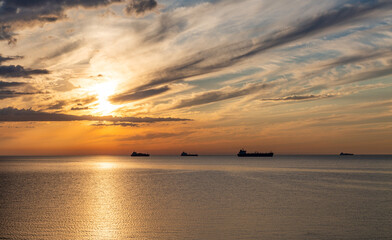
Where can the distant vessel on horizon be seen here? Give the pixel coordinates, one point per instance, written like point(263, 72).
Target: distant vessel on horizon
point(184, 154)
point(346, 154)
point(136, 154)
point(242, 153)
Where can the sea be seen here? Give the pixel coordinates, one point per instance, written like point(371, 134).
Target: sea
point(204, 197)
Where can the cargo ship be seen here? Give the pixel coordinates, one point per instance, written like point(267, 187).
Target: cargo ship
point(346, 154)
point(184, 154)
point(136, 154)
point(243, 153)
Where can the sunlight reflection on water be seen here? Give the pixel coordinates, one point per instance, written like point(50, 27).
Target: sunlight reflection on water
point(105, 165)
point(106, 197)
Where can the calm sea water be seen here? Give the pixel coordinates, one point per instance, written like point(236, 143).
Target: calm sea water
point(205, 197)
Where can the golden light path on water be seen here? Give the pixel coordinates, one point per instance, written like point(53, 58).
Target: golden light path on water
point(104, 204)
point(105, 165)
point(208, 197)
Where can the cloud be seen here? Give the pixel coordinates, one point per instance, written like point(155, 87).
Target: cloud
point(326, 20)
point(168, 25)
point(79, 108)
point(58, 105)
point(6, 93)
point(365, 75)
point(352, 59)
point(155, 136)
point(11, 84)
point(45, 11)
point(360, 57)
point(140, 7)
point(305, 93)
point(137, 95)
point(86, 100)
point(77, 104)
point(122, 124)
point(19, 71)
point(221, 57)
point(67, 48)
point(6, 34)
point(11, 114)
point(63, 85)
point(9, 58)
point(220, 95)
point(22, 13)
point(366, 120)
point(299, 98)
point(10, 94)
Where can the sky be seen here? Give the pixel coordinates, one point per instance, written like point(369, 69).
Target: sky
point(209, 77)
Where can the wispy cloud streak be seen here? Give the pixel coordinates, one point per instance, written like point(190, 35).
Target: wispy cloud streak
point(220, 95)
point(13, 71)
point(137, 95)
point(299, 98)
point(8, 58)
point(22, 115)
point(221, 57)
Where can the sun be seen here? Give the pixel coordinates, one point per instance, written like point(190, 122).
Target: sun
point(103, 91)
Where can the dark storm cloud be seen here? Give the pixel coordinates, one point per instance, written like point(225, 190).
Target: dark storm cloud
point(126, 97)
point(22, 115)
point(140, 7)
point(19, 71)
point(220, 95)
point(221, 57)
point(8, 58)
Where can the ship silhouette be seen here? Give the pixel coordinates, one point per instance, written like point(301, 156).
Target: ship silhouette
point(346, 154)
point(184, 154)
point(243, 153)
point(136, 154)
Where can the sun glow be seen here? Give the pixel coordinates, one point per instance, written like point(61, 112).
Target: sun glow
point(105, 165)
point(103, 91)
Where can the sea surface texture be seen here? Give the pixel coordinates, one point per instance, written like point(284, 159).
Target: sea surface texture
point(205, 197)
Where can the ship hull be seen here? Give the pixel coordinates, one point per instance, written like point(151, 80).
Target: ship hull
point(184, 154)
point(136, 154)
point(256, 155)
